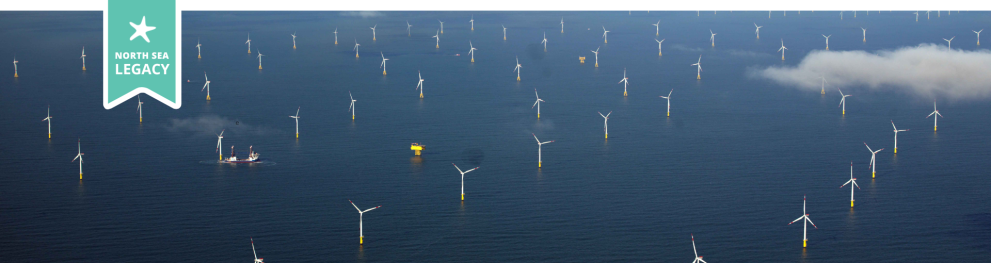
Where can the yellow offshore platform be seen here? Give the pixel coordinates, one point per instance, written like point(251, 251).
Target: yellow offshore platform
point(416, 147)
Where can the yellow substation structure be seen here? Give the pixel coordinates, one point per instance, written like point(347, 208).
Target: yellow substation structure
point(416, 147)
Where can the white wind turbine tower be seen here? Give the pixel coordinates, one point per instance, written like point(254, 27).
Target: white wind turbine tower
point(471, 51)
point(198, 45)
point(544, 42)
point(712, 37)
point(540, 160)
point(293, 40)
point(927, 14)
point(625, 81)
point(15, 67)
point(140, 110)
point(896, 135)
point(257, 259)
point(805, 227)
point(361, 222)
point(758, 30)
point(408, 26)
point(668, 98)
point(936, 112)
point(220, 138)
point(853, 181)
point(441, 26)
point(865, 33)
point(605, 123)
point(782, 49)
point(48, 118)
point(596, 51)
point(699, 63)
point(351, 108)
point(335, 37)
point(605, 37)
point(297, 122)
point(373, 31)
point(80, 157)
point(823, 92)
point(827, 40)
point(873, 154)
point(84, 52)
point(383, 63)
point(659, 45)
point(206, 86)
point(697, 257)
point(249, 40)
point(437, 36)
point(259, 58)
point(517, 69)
point(419, 85)
point(916, 16)
point(537, 104)
point(948, 47)
point(463, 179)
point(562, 24)
point(657, 28)
point(975, 32)
point(356, 45)
point(843, 100)
point(472, 23)
point(504, 32)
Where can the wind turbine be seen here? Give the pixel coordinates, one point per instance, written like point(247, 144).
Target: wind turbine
point(441, 26)
point(927, 14)
point(373, 31)
point(975, 32)
point(896, 135)
point(697, 257)
point(15, 67)
point(596, 51)
point(827, 40)
point(517, 69)
point(712, 37)
point(853, 181)
point(873, 154)
point(544, 42)
point(383, 63)
point(472, 23)
point(356, 45)
point(659, 44)
point(668, 98)
point(936, 112)
point(605, 37)
point(259, 58)
point(297, 122)
point(805, 227)
point(80, 157)
point(758, 30)
point(293, 40)
point(504, 32)
point(206, 86)
point(84, 52)
point(841, 15)
point(419, 85)
point(699, 63)
point(823, 92)
point(916, 16)
point(48, 118)
point(257, 259)
point(463, 179)
point(249, 40)
point(782, 49)
point(605, 123)
point(562, 24)
point(537, 104)
point(948, 47)
point(437, 36)
point(472, 51)
point(408, 26)
point(140, 110)
point(657, 28)
point(865, 33)
point(220, 138)
point(625, 81)
point(540, 160)
point(843, 100)
point(361, 222)
point(351, 108)
point(335, 37)
point(198, 54)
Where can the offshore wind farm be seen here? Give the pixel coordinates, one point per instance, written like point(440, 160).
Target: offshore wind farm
point(744, 143)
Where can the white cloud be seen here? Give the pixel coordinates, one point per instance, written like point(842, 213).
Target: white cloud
point(213, 124)
point(925, 70)
point(685, 48)
point(363, 14)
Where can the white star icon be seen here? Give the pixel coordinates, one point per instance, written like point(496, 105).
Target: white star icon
point(141, 30)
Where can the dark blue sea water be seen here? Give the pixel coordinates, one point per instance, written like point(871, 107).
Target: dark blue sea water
point(730, 165)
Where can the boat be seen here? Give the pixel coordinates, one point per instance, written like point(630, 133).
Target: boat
point(252, 157)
